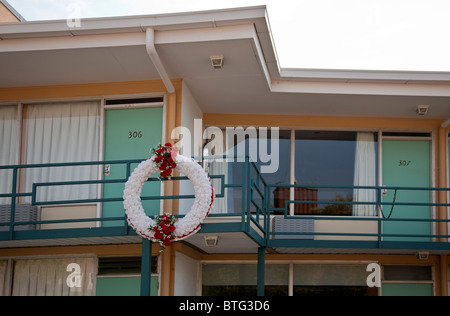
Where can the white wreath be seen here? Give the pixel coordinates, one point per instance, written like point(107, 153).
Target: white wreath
point(189, 224)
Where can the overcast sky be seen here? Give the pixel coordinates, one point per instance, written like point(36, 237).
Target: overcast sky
point(331, 34)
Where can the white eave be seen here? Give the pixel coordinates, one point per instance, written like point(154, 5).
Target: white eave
point(132, 24)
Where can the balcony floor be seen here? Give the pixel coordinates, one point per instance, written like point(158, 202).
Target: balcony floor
point(82, 241)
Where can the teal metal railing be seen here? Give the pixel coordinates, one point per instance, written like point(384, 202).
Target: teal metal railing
point(382, 215)
point(254, 203)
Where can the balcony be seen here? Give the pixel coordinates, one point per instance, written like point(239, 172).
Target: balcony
point(249, 214)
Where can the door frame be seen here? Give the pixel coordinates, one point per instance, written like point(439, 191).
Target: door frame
point(102, 142)
point(432, 140)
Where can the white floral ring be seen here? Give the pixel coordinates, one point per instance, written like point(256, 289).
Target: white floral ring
point(192, 221)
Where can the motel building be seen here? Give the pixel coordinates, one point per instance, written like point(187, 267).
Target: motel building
point(326, 182)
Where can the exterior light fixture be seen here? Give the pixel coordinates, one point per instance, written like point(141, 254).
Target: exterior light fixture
point(423, 256)
point(422, 110)
point(217, 62)
point(211, 241)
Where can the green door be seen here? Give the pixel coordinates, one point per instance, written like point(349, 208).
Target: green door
point(406, 163)
point(129, 135)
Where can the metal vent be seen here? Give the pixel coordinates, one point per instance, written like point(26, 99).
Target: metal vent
point(24, 213)
point(284, 225)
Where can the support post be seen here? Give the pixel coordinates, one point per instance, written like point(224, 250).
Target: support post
point(146, 267)
point(261, 270)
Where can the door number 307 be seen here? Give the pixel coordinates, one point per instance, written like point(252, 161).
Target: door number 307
point(405, 163)
point(135, 134)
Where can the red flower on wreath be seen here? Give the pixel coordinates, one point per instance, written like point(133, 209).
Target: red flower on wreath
point(164, 230)
point(164, 157)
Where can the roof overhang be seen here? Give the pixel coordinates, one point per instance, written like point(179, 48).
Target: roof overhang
point(115, 50)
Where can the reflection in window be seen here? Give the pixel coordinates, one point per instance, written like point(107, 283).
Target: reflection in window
point(328, 165)
point(331, 280)
point(241, 280)
point(236, 169)
point(335, 159)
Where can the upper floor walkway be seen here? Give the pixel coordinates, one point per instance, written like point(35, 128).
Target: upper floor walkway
point(58, 204)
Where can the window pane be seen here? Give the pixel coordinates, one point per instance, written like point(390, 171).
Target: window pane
point(241, 280)
point(408, 273)
point(334, 291)
point(65, 132)
point(324, 158)
point(278, 162)
point(54, 277)
point(330, 275)
point(332, 280)
point(123, 266)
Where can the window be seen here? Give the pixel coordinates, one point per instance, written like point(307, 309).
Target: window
point(336, 159)
point(54, 277)
point(324, 163)
point(122, 276)
point(241, 280)
point(64, 132)
point(256, 146)
point(51, 133)
point(407, 281)
point(408, 273)
point(331, 280)
point(307, 280)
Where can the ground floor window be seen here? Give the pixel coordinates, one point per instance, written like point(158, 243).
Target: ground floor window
point(401, 280)
point(287, 279)
point(75, 276)
point(331, 280)
point(48, 277)
point(241, 280)
point(122, 277)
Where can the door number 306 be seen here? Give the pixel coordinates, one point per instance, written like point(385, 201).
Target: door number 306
point(135, 134)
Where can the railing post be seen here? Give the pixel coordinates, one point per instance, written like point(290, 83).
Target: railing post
point(146, 267)
point(13, 204)
point(380, 215)
point(261, 270)
point(249, 192)
point(267, 214)
point(244, 191)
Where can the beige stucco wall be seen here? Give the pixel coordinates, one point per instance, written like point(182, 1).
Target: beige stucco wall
point(6, 15)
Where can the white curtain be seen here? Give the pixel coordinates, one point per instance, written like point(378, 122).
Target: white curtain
point(8, 148)
point(218, 167)
point(54, 277)
point(65, 132)
point(365, 174)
